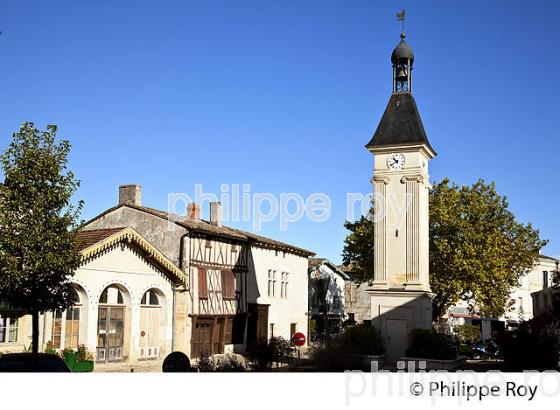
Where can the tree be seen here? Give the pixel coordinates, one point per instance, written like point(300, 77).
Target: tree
point(556, 292)
point(38, 253)
point(358, 248)
point(478, 251)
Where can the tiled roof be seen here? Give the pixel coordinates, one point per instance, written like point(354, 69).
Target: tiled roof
point(85, 239)
point(205, 227)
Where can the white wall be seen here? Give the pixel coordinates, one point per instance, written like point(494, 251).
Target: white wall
point(123, 266)
point(282, 311)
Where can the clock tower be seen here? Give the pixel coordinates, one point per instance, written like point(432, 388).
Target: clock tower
point(400, 292)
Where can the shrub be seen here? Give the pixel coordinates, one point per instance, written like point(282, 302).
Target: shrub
point(362, 339)
point(50, 348)
point(526, 350)
point(229, 363)
point(467, 333)
point(204, 363)
point(82, 354)
point(335, 357)
point(426, 344)
point(265, 353)
point(347, 350)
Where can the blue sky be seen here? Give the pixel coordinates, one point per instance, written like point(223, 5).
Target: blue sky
point(283, 95)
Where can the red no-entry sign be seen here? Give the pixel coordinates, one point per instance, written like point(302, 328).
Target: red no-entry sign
point(298, 339)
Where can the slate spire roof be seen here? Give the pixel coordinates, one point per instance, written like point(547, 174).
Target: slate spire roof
point(400, 125)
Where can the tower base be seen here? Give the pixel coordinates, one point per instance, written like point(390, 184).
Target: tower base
point(394, 313)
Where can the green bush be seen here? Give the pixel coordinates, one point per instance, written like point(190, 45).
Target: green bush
point(265, 353)
point(347, 350)
point(50, 348)
point(335, 357)
point(362, 339)
point(229, 363)
point(526, 350)
point(467, 333)
point(426, 344)
point(206, 363)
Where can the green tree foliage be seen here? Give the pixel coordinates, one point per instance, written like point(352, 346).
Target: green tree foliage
point(478, 250)
point(556, 292)
point(38, 253)
point(427, 344)
point(358, 248)
point(467, 333)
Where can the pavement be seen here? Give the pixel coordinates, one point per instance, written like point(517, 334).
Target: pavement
point(147, 366)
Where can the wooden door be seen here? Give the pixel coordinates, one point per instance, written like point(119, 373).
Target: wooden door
point(202, 337)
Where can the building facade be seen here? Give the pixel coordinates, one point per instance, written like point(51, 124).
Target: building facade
point(531, 298)
point(153, 282)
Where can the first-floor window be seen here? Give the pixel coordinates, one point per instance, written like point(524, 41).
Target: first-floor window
point(271, 283)
point(284, 285)
point(8, 328)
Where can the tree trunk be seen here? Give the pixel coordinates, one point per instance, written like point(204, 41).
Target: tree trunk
point(35, 332)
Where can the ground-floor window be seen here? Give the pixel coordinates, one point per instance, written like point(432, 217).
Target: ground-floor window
point(8, 328)
point(293, 328)
point(69, 321)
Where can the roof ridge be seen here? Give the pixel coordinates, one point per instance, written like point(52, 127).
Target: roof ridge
point(191, 224)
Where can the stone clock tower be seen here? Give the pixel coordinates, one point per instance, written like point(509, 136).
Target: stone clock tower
point(400, 293)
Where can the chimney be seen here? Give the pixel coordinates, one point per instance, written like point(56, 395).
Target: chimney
point(216, 213)
point(130, 195)
point(193, 211)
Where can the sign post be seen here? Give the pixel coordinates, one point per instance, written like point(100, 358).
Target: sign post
point(298, 340)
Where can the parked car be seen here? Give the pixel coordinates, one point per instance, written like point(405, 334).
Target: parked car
point(487, 349)
point(31, 362)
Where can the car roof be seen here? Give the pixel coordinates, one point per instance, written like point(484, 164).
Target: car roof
point(30, 362)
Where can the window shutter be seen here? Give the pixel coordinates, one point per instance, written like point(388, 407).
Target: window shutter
point(228, 284)
point(202, 284)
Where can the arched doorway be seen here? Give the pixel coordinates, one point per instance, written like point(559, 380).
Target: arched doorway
point(110, 325)
point(151, 314)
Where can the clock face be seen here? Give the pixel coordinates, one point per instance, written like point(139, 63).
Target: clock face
point(396, 161)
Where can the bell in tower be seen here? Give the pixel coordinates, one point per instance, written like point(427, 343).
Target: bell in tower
point(402, 59)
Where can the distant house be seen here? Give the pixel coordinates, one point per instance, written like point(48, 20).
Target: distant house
point(152, 282)
point(326, 297)
point(529, 299)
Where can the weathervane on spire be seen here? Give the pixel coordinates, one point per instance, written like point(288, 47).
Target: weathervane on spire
point(400, 17)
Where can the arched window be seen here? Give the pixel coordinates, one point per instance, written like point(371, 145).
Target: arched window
point(150, 298)
point(112, 295)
